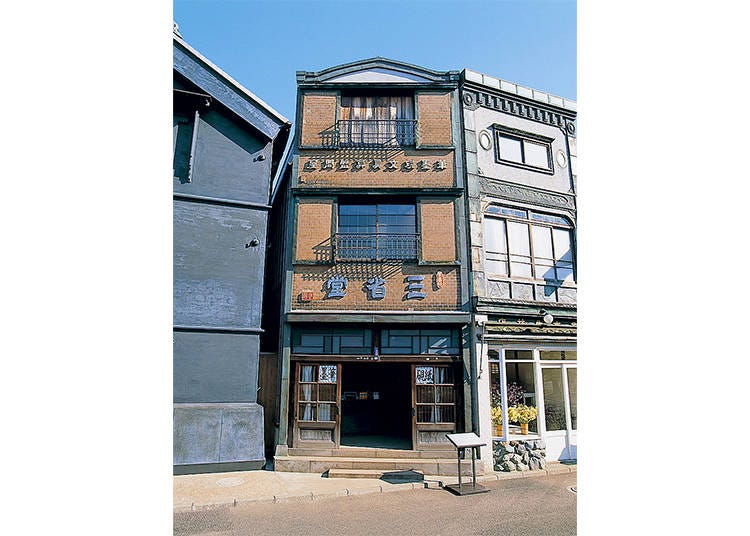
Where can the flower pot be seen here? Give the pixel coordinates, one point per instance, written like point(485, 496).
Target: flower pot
point(499, 430)
point(524, 428)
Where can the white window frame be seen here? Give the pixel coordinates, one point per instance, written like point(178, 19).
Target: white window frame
point(538, 364)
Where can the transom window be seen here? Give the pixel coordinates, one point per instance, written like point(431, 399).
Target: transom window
point(377, 232)
point(523, 149)
point(527, 244)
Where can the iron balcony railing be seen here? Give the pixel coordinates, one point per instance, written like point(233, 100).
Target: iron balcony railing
point(376, 132)
point(376, 247)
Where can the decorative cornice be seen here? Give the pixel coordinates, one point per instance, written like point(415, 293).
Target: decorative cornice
point(473, 98)
point(524, 194)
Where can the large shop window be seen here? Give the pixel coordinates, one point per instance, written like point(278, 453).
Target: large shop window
point(436, 395)
point(558, 374)
point(317, 392)
point(377, 232)
point(376, 120)
point(528, 244)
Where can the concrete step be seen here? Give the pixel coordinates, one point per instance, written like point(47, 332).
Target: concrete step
point(367, 452)
point(394, 476)
point(321, 464)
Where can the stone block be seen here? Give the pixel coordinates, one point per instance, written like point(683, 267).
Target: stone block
point(471, 141)
point(566, 295)
point(522, 291)
point(499, 289)
point(471, 163)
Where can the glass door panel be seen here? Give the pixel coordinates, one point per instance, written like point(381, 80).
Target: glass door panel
point(554, 399)
point(573, 396)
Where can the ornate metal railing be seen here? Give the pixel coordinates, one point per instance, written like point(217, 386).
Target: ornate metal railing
point(376, 132)
point(376, 247)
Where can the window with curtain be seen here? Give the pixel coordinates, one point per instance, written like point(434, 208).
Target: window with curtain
point(529, 245)
point(376, 120)
point(317, 392)
point(436, 395)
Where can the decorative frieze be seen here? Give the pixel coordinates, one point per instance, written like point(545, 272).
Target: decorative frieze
point(524, 194)
point(473, 99)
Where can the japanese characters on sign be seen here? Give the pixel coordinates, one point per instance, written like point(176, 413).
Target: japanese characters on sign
point(336, 287)
point(376, 287)
point(328, 164)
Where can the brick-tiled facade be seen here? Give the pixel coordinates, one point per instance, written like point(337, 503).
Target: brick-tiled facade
point(376, 248)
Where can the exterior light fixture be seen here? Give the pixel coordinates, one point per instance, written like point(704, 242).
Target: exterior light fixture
point(548, 318)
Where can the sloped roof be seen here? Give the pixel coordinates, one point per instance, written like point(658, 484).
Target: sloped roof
point(200, 71)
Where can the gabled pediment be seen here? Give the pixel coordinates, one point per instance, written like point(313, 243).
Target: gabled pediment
point(376, 71)
point(378, 75)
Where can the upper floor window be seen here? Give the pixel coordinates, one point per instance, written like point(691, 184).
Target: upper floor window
point(377, 120)
point(523, 149)
point(377, 232)
point(528, 244)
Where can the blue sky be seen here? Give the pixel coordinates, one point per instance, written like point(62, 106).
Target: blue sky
point(261, 43)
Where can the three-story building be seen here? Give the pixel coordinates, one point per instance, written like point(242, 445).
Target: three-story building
point(375, 311)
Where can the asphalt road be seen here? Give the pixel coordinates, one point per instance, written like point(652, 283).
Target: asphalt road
point(539, 506)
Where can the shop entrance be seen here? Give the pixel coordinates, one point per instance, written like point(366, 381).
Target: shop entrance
point(376, 405)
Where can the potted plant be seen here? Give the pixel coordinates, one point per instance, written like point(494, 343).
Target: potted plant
point(523, 415)
point(497, 420)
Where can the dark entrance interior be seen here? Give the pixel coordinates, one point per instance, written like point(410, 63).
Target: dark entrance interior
point(376, 405)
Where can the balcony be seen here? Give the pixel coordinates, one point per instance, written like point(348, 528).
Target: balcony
point(376, 247)
point(375, 133)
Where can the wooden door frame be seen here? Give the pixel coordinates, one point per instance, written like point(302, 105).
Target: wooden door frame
point(297, 441)
point(433, 427)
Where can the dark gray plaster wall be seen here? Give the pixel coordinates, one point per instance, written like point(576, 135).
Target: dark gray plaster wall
point(215, 367)
point(218, 279)
point(229, 162)
point(218, 434)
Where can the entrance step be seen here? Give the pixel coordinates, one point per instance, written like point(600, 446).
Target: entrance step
point(428, 466)
point(369, 452)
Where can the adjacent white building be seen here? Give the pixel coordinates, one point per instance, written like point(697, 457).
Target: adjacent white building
point(520, 158)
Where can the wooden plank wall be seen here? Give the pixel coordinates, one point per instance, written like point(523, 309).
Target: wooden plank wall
point(267, 397)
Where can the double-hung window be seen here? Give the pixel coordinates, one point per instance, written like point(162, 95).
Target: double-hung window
point(526, 244)
point(377, 232)
point(523, 149)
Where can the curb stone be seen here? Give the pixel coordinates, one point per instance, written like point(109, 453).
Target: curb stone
point(314, 496)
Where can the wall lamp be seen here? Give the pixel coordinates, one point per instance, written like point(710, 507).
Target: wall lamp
point(546, 316)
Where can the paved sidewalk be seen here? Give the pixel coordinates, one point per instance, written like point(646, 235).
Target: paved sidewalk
point(205, 491)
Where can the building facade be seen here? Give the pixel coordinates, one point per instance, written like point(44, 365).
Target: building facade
point(520, 156)
point(227, 145)
point(375, 320)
